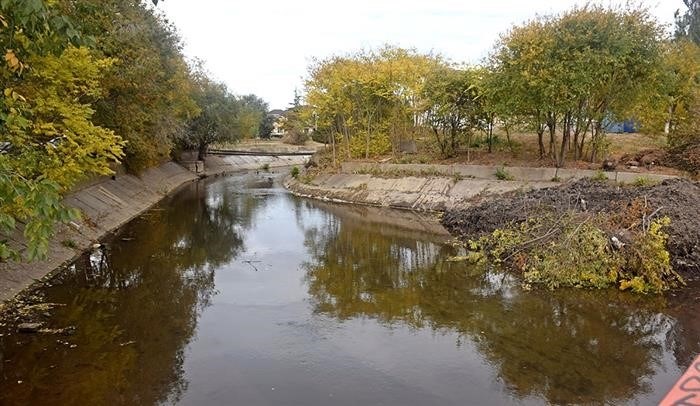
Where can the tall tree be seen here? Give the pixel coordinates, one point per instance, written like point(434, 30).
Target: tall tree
point(451, 104)
point(147, 90)
point(369, 100)
point(48, 139)
point(251, 113)
point(217, 118)
point(688, 21)
point(574, 71)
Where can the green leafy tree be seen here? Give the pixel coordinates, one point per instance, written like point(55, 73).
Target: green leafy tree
point(688, 22)
point(266, 126)
point(47, 135)
point(367, 102)
point(217, 119)
point(251, 113)
point(572, 72)
point(451, 107)
point(147, 90)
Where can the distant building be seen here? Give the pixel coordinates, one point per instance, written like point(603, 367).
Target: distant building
point(278, 123)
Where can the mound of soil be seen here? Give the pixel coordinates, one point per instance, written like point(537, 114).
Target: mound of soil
point(679, 199)
point(685, 157)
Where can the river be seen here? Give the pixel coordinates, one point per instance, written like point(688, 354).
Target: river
point(234, 292)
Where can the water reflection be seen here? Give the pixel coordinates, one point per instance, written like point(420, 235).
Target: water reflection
point(563, 347)
point(222, 291)
point(136, 303)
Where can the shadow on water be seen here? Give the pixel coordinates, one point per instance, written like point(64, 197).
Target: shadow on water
point(139, 307)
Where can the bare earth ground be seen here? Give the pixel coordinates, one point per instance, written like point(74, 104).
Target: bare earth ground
point(523, 151)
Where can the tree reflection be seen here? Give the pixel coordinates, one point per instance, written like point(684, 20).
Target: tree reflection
point(135, 305)
point(566, 346)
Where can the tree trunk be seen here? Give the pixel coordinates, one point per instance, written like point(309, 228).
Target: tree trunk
point(346, 136)
point(597, 133)
point(669, 121)
point(367, 137)
point(566, 135)
point(332, 135)
point(552, 125)
point(202, 151)
point(510, 143)
point(540, 140)
point(489, 133)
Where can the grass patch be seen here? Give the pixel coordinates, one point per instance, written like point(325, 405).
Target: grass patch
point(600, 176)
point(503, 174)
point(69, 244)
point(643, 181)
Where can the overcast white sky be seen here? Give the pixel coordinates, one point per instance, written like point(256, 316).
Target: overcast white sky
point(264, 46)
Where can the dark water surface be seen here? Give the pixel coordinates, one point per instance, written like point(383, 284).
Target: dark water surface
point(231, 295)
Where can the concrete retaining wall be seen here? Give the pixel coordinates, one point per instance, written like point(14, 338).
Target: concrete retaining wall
point(106, 205)
point(435, 187)
point(489, 172)
point(422, 193)
point(231, 163)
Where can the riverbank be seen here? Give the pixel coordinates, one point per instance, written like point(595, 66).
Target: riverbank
point(425, 187)
point(645, 231)
point(315, 298)
point(105, 205)
point(108, 203)
point(642, 230)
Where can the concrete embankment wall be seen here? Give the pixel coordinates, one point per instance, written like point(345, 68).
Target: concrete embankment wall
point(525, 174)
point(106, 205)
point(434, 187)
point(231, 163)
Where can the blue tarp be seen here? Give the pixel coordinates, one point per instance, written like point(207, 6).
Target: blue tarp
point(618, 127)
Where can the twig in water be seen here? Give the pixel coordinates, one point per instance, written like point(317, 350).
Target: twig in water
point(251, 264)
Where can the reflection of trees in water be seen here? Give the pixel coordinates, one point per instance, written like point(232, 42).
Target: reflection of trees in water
point(684, 336)
point(566, 346)
point(135, 306)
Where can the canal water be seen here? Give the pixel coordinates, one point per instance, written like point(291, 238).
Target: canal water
point(233, 292)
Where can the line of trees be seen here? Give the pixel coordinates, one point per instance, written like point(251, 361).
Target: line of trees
point(562, 77)
point(88, 84)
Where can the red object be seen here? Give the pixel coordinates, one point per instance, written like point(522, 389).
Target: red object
point(686, 392)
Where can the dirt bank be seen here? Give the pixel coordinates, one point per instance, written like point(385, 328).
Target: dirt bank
point(679, 199)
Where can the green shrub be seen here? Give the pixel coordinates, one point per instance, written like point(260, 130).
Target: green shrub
point(69, 244)
point(295, 172)
point(642, 181)
point(599, 176)
point(649, 262)
point(379, 144)
point(503, 174)
point(573, 250)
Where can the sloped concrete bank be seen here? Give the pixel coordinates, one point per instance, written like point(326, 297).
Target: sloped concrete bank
point(105, 205)
point(435, 187)
point(225, 164)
